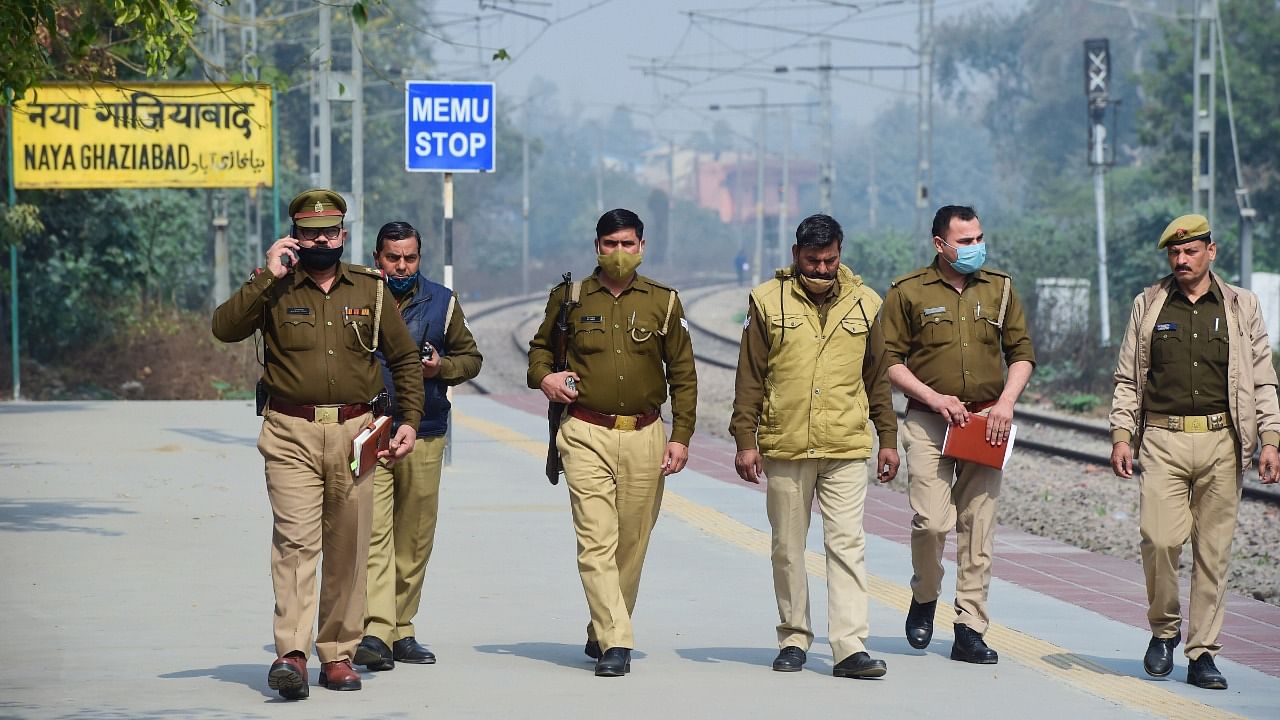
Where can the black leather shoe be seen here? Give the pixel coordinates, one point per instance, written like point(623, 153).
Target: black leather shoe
point(409, 650)
point(1204, 674)
point(790, 659)
point(860, 665)
point(592, 649)
point(920, 623)
point(374, 654)
point(1158, 661)
point(970, 648)
point(615, 662)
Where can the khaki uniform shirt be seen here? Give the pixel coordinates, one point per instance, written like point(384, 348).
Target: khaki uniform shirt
point(1189, 351)
point(315, 341)
point(625, 363)
point(952, 341)
point(753, 368)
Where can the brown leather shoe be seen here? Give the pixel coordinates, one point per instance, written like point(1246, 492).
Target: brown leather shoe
point(288, 676)
point(339, 675)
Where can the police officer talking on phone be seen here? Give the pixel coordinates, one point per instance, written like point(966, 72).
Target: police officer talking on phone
point(322, 321)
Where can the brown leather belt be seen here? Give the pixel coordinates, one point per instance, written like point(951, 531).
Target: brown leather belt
point(614, 422)
point(321, 413)
point(1187, 423)
point(973, 407)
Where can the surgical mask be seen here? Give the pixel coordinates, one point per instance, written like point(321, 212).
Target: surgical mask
point(969, 258)
point(817, 286)
point(619, 264)
point(319, 258)
point(401, 285)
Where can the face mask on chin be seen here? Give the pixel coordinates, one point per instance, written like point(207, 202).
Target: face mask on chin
point(619, 265)
point(401, 285)
point(319, 258)
point(818, 286)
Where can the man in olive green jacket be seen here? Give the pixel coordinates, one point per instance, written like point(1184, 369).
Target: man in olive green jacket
point(801, 400)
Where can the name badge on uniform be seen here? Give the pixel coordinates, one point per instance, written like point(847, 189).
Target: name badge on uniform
point(1167, 327)
point(591, 319)
point(299, 311)
point(934, 310)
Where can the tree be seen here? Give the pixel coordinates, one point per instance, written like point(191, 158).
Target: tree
point(1251, 29)
point(92, 40)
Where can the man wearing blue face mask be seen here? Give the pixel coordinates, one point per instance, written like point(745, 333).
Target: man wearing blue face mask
point(950, 331)
point(406, 497)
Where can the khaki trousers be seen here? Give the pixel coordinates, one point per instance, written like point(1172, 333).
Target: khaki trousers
point(1190, 490)
point(946, 494)
point(317, 506)
point(615, 492)
point(406, 499)
point(841, 487)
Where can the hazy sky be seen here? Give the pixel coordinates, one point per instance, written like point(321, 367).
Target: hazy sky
point(595, 52)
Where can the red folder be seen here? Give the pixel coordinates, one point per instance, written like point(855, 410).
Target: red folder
point(372, 440)
point(969, 443)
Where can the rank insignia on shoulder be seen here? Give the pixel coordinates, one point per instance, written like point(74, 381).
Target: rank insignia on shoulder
point(299, 311)
point(591, 319)
point(746, 321)
point(684, 324)
point(1166, 327)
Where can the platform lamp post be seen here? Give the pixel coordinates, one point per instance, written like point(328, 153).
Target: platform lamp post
point(1097, 76)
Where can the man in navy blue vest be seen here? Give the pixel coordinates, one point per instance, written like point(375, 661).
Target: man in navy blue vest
point(406, 497)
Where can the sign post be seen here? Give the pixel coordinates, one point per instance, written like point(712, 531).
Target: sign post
point(448, 128)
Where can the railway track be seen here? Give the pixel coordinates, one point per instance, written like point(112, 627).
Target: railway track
point(1089, 432)
point(715, 350)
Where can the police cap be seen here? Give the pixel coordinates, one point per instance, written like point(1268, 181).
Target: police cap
point(1185, 229)
point(317, 208)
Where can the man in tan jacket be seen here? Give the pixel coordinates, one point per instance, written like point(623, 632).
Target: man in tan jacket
point(1194, 390)
point(807, 392)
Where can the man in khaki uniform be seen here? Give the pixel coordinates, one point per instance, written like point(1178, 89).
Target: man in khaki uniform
point(406, 498)
point(805, 337)
point(321, 322)
point(630, 345)
point(950, 329)
point(1194, 390)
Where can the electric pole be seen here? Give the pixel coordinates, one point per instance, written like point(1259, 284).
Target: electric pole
point(783, 191)
point(321, 121)
point(215, 69)
point(1204, 114)
point(759, 253)
point(924, 119)
point(524, 202)
point(828, 160)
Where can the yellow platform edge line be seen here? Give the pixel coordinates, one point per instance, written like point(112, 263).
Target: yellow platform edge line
point(1044, 657)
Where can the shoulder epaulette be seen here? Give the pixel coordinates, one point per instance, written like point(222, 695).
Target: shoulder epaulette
point(655, 283)
point(998, 273)
point(782, 273)
point(913, 274)
point(366, 270)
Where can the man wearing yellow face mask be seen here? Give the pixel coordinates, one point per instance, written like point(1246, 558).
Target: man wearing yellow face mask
point(629, 347)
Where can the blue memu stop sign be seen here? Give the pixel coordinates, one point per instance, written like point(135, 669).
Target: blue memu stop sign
point(449, 127)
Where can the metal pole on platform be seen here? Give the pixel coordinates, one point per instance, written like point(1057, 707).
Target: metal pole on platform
point(448, 282)
point(13, 265)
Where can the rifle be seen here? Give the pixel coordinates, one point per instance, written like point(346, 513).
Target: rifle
point(560, 336)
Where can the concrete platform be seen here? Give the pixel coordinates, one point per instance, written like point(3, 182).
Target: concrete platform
point(134, 549)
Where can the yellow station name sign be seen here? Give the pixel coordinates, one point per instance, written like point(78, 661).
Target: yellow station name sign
point(142, 135)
